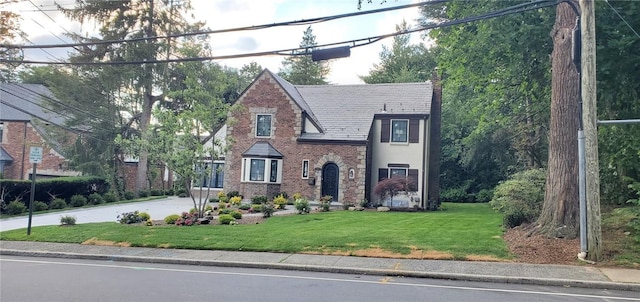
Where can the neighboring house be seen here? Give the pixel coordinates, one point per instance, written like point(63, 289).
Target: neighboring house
point(337, 140)
point(25, 122)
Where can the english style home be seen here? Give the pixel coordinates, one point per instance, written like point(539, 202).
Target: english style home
point(337, 140)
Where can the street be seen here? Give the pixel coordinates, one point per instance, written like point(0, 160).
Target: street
point(53, 279)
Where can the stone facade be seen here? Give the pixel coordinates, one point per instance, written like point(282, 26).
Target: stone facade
point(17, 138)
point(267, 96)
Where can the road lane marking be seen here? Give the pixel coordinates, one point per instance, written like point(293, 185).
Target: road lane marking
point(324, 279)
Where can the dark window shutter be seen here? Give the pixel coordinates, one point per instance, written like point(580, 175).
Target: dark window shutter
point(385, 130)
point(413, 179)
point(414, 131)
point(383, 174)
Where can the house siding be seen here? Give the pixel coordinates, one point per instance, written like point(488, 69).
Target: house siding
point(266, 96)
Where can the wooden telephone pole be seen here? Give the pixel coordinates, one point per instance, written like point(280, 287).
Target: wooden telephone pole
point(589, 120)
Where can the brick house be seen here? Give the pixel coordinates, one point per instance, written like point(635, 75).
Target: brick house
point(25, 123)
point(337, 140)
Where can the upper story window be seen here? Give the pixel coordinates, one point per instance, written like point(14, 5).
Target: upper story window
point(399, 131)
point(263, 125)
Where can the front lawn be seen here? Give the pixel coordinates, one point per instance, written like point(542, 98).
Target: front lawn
point(459, 231)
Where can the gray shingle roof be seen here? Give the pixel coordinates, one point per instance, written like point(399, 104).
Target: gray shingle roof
point(346, 112)
point(4, 156)
point(262, 149)
point(24, 102)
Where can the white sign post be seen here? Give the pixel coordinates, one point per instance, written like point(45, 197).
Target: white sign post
point(35, 157)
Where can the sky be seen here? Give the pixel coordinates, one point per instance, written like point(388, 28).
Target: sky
point(44, 25)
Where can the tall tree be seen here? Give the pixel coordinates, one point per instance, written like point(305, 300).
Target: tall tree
point(403, 62)
point(559, 216)
point(9, 32)
point(495, 103)
point(140, 83)
point(301, 69)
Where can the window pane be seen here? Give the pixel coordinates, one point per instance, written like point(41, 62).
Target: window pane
point(274, 171)
point(257, 170)
point(399, 131)
point(263, 125)
point(217, 175)
point(398, 173)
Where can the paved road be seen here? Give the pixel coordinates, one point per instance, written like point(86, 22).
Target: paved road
point(48, 279)
point(158, 209)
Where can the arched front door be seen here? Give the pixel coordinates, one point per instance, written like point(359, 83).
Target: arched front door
point(330, 177)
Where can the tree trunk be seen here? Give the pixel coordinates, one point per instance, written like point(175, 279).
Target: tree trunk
point(560, 211)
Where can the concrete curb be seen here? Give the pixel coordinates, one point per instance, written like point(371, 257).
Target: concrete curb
point(333, 269)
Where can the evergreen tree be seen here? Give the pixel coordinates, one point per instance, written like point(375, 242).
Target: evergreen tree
point(301, 69)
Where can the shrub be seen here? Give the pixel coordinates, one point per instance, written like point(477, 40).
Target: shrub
point(520, 198)
point(78, 201)
point(222, 205)
point(484, 195)
point(226, 219)
point(244, 206)
point(325, 203)
point(169, 192)
point(171, 219)
point(280, 201)
point(187, 219)
point(283, 194)
point(225, 211)
point(208, 208)
point(58, 203)
point(235, 200)
point(297, 196)
point(213, 199)
point(143, 193)
point(95, 198)
point(40, 206)
point(156, 192)
point(67, 220)
point(236, 214)
point(259, 199)
point(109, 197)
point(302, 205)
point(267, 210)
point(130, 217)
point(222, 194)
point(144, 215)
point(256, 208)
point(128, 195)
point(183, 194)
point(16, 207)
point(233, 194)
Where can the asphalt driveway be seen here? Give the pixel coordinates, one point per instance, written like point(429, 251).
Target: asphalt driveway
point(158, 209)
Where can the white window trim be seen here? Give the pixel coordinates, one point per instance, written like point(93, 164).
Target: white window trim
point(246, 170)
point(196, 184)
point(270, 125)
point(391, 136)
point(305, 171)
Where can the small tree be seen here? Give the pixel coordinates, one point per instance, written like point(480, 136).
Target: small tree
point(390, 187)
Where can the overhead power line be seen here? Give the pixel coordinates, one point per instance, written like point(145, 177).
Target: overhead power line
point(307, 50)
point(236, 29)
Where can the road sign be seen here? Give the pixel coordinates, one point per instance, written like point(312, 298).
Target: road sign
point(35, 155)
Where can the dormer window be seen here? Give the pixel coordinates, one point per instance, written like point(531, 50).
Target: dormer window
point(399, 131)
point(263, 125)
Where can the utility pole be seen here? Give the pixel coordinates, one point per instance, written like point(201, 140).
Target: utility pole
point(589, 120)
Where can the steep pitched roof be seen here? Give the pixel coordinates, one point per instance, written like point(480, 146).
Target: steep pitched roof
point(24, 102)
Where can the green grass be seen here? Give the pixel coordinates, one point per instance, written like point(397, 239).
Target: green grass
point(460, 230)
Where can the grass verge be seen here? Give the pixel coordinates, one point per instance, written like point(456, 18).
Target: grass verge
point(459, 231)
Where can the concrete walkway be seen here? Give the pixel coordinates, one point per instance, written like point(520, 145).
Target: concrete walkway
point(560, 275)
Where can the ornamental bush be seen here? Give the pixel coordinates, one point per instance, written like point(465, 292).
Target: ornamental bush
point(16, 207)
point(235, 200)
point(280, 202)
point(67, 220)
point(58, 203)
point(259, 199)
point(171, 219)
point(244, 206)
point(110, 197)
point(78, 201)
point(187, 219)
point(40, 206)
point(302, 206)
point(95, 198)
point(520, 198)
point(130, 217)
point(226, 219)
point(128, 195)
point(236, 214)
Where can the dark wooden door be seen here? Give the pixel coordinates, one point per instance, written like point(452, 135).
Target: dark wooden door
point(330, 178)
